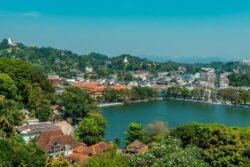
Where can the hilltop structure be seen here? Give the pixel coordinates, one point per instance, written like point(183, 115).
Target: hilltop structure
point(10, 42)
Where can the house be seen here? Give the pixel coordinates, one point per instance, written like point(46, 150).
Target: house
point(80, 155)
point(136, 147)
point(89, 69)
point(99, 148)
point(55, 143)
point(34, 128)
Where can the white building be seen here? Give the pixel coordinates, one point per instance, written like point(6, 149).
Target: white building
point(10, 42)
point(247, 62)
point(89, 69)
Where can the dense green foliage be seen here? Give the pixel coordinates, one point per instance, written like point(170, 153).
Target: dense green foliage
point(7, 87)
point(111, 95)
point(127, 95)
point(24, 74)
point(15, 152)
point(58, 163)
point(200, 94)
point(239, 79)
point(10, 110)
point(24, 84)
point(77, 103)
point(91, 129)
point(169, 153)
point(142, 93)
point(136, 131)
point(203, 94)
point(222, 145)
point(108, 159)
point(234, 96)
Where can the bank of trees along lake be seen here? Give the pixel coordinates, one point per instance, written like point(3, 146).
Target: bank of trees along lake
point(232, 95)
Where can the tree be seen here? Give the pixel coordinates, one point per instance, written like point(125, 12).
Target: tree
point(136, 131)
point(38, 103)
point(108, 159)
point(6, 130)
point(239, 79)
point(244, 96)
point(10, 110)
point(157, 129)
point(58, 163)
point(43, 113)
point(15, 152)
point(169, 153)
point(229, 94)
point(77, 103)
point(24, 74)
point(91, 129)
point(7, 86)
point(222, 146)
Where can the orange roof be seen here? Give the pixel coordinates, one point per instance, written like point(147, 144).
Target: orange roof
point(99, 148)
point(46, 140)
point(82, 150)
point(119, 87)
point(93, 87)
point(88, 84)
point(136, 146)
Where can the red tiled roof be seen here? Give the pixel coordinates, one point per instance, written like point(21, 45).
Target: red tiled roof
point(119, 87)
point(93, 87)
point(82, 150)
point(136, 146)
point(99, 148)
point(46, 140)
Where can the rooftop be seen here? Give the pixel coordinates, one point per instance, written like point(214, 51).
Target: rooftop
point(99, 148)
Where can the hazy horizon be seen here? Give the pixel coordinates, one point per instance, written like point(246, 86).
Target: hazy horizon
point(160, 30)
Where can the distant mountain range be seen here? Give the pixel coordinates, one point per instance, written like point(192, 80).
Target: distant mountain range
point(190, 59)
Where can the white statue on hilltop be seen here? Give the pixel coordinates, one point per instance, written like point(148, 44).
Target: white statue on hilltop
point(10, 42)
point(125, 61)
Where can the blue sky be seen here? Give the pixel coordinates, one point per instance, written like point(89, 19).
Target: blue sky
point(158, 29)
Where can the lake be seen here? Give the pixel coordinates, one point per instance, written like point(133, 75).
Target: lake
point(172, 112)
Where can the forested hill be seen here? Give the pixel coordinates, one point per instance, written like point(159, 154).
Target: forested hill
point(68, 64)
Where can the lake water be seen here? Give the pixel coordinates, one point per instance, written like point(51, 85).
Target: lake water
point(172, 112)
